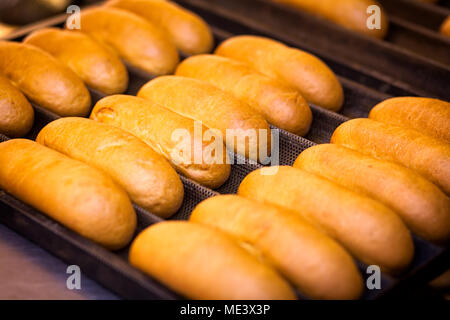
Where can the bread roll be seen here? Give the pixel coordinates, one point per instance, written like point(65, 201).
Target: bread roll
point(147, 177)
point(316, 264)
point(188, 31)
point(423, 206)
point(293, 67)
point(43, 79)
point(428, 156)
point(445, 27)
point(351, 14)
point(216, 109)
point(100, 68)
point(78, 196)
point(278, 104)
point(370, 231)
point(17, 115)
point(137, 41)
point(202, 263)
point(429, 116)
point(158, 127)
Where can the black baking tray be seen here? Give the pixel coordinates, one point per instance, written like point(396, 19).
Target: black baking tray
point(381, 62)
point(111, 268)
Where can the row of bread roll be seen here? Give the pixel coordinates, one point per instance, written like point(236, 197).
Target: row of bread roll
point(199, 262)
point(158, 126)
point(350, 14)
point(98, 66)
point(217, 110)
point(145, 175)
point(400, 157)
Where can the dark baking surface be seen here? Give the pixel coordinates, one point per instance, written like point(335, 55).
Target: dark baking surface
point(29, 272)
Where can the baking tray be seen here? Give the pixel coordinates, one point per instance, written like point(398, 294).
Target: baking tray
point(420, 13)
point(112, 270)
point(380, 61)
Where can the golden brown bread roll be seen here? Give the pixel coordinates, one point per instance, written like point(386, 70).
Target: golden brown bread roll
point(428, 156)
point(78, 196)
point(203, 263)
point(17, 115)
point(316, 264)
point(293, 67)
point(43, 79)
point(445, 27)
point(157, 127)
point(279, 105)
point(100, 68)
point(351, 14)
point(216, 109)
point(370, 231)
point(147, 177)
point(187, 30)
point(423, 206)
point(137, 41)
point(429, 116)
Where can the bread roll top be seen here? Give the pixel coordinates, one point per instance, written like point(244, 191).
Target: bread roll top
point(428, 156)
point(278, 104)
point(98, 66)
point(428, 116)
point(188, 31)
point(369, 230)
point(422, 205)
point(179, 139)
point(243, 129)
point(147, 177)
point(293, 67)
point(17, 114)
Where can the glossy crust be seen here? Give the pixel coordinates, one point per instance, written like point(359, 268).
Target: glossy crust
point(351, 14)
point(43, 79)
point(202, 263)
point(318, 266)
point(445, 27)
point(17, 115)
point(370, 231)
point(137, 41)
point(216, 109)
point(293, 67)
point(188, 31)
point(428, 156)
point(147, 177)
point(279, 105)
point(156, 126)
point(429, 116)
point(100, 68)
point(423, 206)
point(78, 196)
